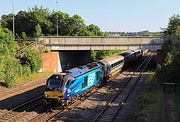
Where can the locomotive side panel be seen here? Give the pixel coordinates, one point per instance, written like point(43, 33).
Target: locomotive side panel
point(83, 83)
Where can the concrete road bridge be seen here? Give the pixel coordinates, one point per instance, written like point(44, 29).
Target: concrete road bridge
point(64, 43)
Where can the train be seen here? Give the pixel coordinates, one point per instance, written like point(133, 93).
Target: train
point(65, 87)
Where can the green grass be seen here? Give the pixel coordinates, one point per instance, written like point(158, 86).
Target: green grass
point(150, 105)
point(178, 103)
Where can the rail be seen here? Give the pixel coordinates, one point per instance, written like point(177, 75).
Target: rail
point(12, 114)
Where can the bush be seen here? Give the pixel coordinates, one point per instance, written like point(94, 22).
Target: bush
point(32, 59)
point(24, 70)
point(8, 62)
point(8, 45)
point(9, 70)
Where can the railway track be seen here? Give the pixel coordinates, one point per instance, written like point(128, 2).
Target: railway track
point(49, 116)
point(22, 89)
point(114, 106)
point(20, 110)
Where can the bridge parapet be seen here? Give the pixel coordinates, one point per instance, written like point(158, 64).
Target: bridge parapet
point(102, 43)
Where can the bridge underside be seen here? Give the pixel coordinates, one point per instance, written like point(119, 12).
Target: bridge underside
point(102, 47)
point(70, 59)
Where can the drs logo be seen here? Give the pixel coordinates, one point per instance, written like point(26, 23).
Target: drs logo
point(91, 79)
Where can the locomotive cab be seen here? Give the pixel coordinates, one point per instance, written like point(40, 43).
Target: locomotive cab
point(56, 87)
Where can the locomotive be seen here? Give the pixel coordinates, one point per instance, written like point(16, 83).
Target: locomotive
point(63, 88)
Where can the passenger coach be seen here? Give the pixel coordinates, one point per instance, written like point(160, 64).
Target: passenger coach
point(112, 65)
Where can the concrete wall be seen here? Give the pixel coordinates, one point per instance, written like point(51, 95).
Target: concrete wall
point(102, 43)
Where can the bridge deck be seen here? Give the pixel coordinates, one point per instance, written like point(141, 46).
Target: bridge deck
point(102, 43)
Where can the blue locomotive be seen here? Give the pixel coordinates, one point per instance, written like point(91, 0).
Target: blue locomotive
point(68, 86)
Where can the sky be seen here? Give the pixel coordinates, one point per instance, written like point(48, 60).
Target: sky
point(109, 15)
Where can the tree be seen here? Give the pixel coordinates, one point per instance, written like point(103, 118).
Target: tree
point(7, 21)
point(39, 21)
point(173, 24)
point(61, 18)
point(39, 15)
point(22, 23)
point(7, 43)
point(38, 31)
point(95, 30)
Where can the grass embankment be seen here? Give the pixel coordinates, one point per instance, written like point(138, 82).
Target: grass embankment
point(150, 105)
point(30, 77)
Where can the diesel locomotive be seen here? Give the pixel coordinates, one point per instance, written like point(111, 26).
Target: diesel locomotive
point(65, 87)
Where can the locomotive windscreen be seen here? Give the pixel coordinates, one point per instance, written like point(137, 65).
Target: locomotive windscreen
point(55, 81)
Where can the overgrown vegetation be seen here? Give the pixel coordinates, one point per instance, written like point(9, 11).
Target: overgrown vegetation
point(97, 55)
point(170, 71)
point(8, 62)
point(149, 104)
point(40, 21)
point(11, 66)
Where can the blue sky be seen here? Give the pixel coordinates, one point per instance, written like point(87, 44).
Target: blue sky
point(109, 15)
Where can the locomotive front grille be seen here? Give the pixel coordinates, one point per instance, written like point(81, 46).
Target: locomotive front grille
point(54, 95)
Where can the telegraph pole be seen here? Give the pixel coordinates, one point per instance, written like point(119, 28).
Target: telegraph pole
point(13, 20)
point(57, 23)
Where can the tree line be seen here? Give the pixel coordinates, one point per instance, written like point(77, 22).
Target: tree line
point(145, 33)
point(39, 21)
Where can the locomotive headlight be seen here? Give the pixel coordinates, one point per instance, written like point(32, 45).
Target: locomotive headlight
point(46, 95)
point(68, 90)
